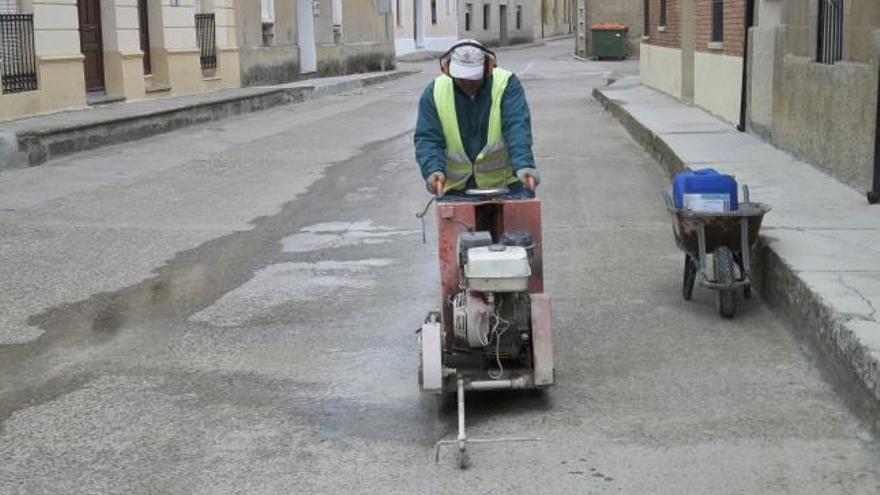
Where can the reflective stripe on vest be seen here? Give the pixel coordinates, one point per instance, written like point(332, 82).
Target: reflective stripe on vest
point(492, 166)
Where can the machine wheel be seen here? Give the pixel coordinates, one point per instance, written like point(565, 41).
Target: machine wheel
point(725, 275)
point(690, 275)
point(463, 459)
point(747, 292)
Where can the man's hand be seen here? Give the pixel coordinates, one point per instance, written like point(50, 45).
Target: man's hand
point(434, 183)
point(529, 177)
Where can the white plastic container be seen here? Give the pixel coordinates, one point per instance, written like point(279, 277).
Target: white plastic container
point(498, 268)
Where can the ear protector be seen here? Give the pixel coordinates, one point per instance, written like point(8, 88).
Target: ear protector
point(491, 58)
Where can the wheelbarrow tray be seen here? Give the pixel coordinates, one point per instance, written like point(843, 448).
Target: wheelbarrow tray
point(721, 229)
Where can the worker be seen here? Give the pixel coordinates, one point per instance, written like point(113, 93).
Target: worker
point(474, 127)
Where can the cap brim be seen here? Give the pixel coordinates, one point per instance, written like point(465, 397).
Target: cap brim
point(471, 72)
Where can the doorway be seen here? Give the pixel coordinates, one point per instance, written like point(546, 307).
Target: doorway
point(144, 31)
point(91, 43)
point(419, 23)
point(688, 48)
point(502, 24)
point(305, 23)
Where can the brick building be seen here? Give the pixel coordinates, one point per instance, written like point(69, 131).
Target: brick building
point(693, 49)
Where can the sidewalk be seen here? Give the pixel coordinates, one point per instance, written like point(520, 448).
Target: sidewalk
point(819, 260)
point(34, 140)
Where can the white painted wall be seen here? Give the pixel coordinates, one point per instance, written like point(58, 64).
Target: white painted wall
point(436, 37)
point(718, 84)
point(660, 68)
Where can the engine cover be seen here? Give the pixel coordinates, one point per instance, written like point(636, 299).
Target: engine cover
point(471, 316)
point(498, 268)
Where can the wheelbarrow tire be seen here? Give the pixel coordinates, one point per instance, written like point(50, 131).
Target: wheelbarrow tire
point(690, 275)
point(725, 275)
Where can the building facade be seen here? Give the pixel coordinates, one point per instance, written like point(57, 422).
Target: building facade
point(58, 54)
point(425, 25)
point(813, 83)
point(693, 50)
point(591, 12)
point(283, 40)
point(497, 22)
point(554, 17)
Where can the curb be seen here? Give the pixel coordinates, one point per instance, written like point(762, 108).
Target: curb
point(37, 146)
point(839, 347)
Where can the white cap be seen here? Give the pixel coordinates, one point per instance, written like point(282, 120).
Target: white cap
point(467, 62)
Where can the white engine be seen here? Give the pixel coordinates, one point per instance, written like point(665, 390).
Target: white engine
point(492, 274)
point(497, 268)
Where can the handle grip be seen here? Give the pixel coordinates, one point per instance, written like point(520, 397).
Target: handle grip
point(530, 182)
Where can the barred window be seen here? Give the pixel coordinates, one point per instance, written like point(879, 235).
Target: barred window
point(10, 7)
point(717, 21)
point(662, 12)
point(830, 43)
point(647, 18)
point(487, 11)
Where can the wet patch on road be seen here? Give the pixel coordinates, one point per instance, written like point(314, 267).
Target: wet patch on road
point(330, 235)
point(285, 283)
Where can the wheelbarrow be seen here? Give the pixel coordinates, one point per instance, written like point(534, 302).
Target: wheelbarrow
point(729, 237)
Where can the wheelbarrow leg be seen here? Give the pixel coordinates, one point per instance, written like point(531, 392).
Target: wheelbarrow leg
point(745, 255)
point(690, 275)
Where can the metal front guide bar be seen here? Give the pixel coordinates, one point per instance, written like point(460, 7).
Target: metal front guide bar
point(462, 439)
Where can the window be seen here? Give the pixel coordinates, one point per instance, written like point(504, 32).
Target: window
point(10, 7)
point(18, 62)
point(663, 13)
point(519, 16)
point(433, 11)
point(267, 10)
point(717, 21)
point(487, 11)
point(468, 15)
point(398, 14)
point(647, 18)
point(830, 45)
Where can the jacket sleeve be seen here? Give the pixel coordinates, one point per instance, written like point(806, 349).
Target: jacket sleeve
point(430, 142)
point(516, 124)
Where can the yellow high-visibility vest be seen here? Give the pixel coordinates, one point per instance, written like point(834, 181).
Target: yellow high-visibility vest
point(492, 167)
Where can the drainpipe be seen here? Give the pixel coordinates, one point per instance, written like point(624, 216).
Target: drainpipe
point(743, 106)
point(874, 193)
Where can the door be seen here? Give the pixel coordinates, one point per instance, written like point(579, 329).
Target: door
point(144, 31)
point(419, 23)
point(502, 23)
point(305, 23)
point(688, 48)
point(91, 44)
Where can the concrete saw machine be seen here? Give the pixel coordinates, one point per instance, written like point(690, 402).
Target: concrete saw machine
point(494, 329)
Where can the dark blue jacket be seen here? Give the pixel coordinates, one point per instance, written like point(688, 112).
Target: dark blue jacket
point(473, 123)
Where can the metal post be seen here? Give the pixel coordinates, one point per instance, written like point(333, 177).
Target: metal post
point(874, 193)
point(462, 438)
point(746, 247)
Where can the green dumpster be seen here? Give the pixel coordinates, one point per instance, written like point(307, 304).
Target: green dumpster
point(609, 40)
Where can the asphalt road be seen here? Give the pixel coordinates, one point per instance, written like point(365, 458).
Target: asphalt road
point(231, 309)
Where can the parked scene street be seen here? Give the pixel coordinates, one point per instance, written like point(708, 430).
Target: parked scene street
point(231, 308)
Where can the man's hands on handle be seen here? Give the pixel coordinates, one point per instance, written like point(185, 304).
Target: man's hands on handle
point(529, 177)
point(435, 182)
